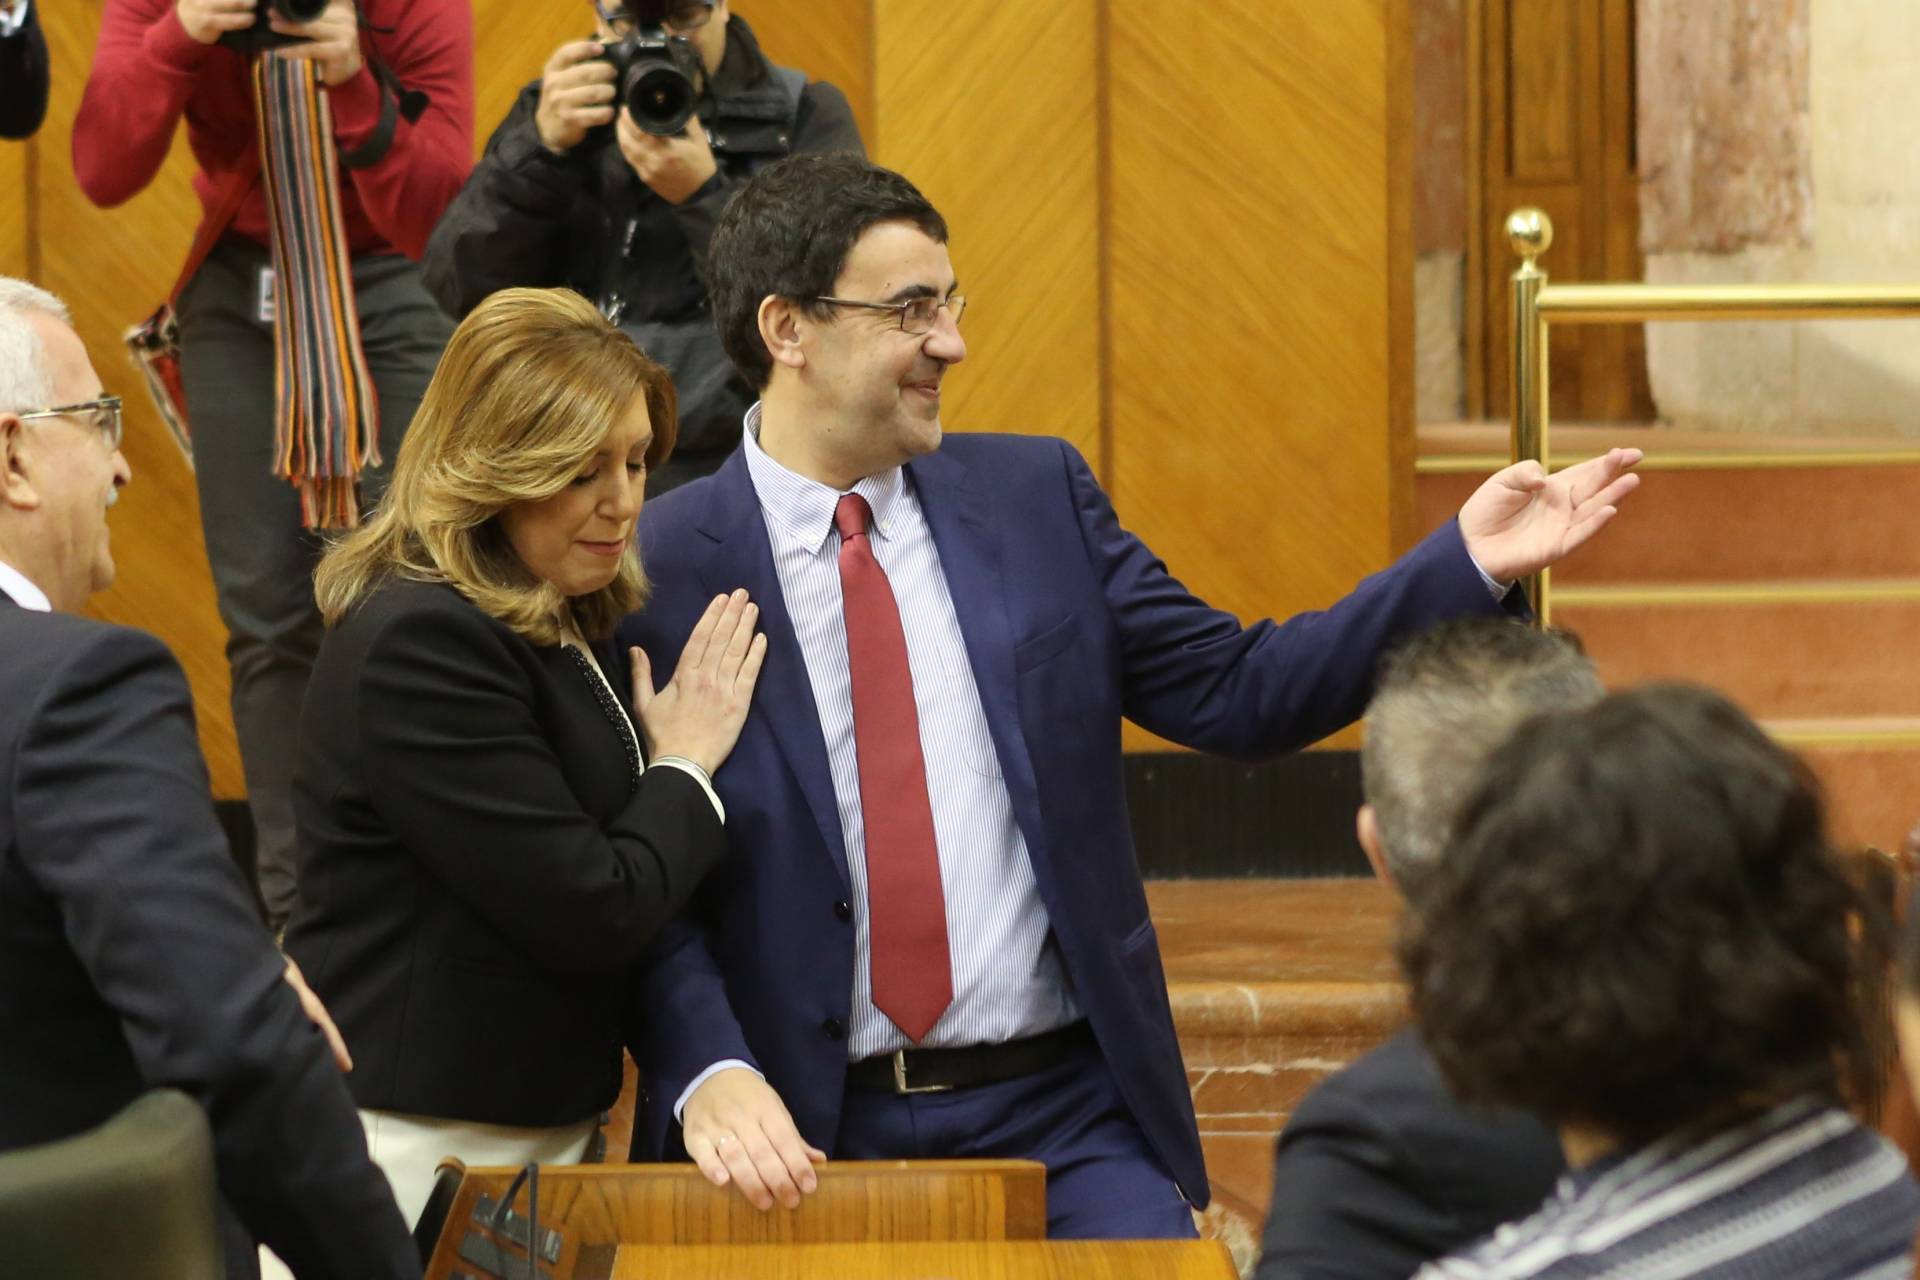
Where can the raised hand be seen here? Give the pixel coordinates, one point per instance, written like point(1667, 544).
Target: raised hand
point(737, 1130)
point(1522, 519)
point(576, 94)
point(699, 714)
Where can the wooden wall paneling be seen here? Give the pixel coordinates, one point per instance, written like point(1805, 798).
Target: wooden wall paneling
point(113, 267)
point(511, 45)
point(1254, 346)
point(993, 111)
point(828, 39)
point(17, 162)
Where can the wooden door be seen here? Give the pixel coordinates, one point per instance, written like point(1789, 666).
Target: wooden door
point(1550, 105)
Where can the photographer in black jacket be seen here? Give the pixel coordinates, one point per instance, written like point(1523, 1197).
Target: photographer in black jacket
point(572, 191)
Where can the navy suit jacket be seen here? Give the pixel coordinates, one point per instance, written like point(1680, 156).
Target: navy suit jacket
point(1380, 1171)
point(131, 956)
point(1071, 625)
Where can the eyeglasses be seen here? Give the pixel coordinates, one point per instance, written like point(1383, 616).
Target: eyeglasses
point(681, 19)
point(916, 314)
point(105, 415)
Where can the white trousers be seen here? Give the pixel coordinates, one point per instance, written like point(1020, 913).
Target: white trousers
point(409, 1149)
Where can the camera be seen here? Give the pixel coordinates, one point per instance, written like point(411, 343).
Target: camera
point(656, 73)
point(262, 36)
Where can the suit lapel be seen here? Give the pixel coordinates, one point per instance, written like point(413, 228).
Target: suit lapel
point(960, 514)
point(743, 557)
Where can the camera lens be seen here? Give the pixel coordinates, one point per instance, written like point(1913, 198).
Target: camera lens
point(660, 97)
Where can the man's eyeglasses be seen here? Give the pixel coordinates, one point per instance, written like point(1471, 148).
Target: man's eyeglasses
point(681, 19)
point(916, 315)
point(103, 413)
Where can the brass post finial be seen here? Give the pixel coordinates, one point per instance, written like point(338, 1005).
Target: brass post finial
point(1530, 233)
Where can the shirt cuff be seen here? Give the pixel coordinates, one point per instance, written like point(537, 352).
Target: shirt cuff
point(700, 776)
point(1499, 589)
point(13, 15)
point(680, 1103)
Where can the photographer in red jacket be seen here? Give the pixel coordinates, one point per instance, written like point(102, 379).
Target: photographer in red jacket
point(336, 134)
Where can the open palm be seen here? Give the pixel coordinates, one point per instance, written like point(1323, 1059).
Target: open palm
point(1522, 519)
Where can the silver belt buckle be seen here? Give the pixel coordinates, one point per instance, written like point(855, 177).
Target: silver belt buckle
point(900, 1084)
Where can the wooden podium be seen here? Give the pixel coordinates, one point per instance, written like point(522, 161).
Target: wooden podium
point(957, 1218)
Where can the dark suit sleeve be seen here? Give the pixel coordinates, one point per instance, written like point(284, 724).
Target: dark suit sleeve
point(1193, 674)
point(23, 78)
point(459, 767)
point(115, 824)
point(1341, 1208)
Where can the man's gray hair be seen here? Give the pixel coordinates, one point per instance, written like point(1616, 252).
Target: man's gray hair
point(26, 384)
point(1445, 700)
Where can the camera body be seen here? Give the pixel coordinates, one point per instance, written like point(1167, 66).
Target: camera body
point(658, 74)
point(261, 35)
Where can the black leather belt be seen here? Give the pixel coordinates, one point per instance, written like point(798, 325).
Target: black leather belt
point(938, 1070)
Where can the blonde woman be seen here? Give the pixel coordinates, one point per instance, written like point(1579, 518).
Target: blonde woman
point(488, 838)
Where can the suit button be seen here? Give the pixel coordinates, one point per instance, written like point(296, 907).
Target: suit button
point(835, 1029)
point(843, 911)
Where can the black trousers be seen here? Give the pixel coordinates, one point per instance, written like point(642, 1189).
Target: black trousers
point(262, 560)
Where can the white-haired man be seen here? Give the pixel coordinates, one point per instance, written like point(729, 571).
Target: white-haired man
point(130, 954)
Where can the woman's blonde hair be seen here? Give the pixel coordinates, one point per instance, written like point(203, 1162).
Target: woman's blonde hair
point(530, 384)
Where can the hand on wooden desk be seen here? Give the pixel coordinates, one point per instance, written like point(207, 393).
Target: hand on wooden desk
point(737, 1130)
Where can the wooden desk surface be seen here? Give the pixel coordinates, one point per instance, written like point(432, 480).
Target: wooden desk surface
point(1014, 1260)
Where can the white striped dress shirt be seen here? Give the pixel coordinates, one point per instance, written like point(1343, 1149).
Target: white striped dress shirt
point(1008, 980)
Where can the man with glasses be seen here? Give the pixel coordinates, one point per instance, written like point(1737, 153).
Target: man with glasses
point(130, 954)
point(571, 191)
point(932, 939)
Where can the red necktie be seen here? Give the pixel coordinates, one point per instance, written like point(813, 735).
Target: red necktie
point(906, 911)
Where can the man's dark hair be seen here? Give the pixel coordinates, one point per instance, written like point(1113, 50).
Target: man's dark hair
point(1445, 699)
point(1639, 925)
point(787, 234)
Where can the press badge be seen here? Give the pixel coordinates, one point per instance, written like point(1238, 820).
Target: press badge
point(263, 296)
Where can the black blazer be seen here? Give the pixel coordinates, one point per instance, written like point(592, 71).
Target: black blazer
point(1380, 1171)
point(23, 77)
point(478, 865)
point(131, 956)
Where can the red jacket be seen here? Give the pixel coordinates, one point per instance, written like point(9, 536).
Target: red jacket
point(147, 72)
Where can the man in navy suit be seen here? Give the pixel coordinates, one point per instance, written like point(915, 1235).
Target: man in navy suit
point(933, 940)
point(130, 954)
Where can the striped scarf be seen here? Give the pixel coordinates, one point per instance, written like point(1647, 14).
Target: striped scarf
point(326, 417)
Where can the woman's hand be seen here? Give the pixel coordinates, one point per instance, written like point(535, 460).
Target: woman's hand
point(737, 1130)
point(699, 714)
point(208, 20)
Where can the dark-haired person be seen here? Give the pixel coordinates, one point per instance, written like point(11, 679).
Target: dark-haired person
point(928, 801)
point(24, 71)
point(1640, 935)
point(571, 191)
point(1379, 1168)
point(489, 835)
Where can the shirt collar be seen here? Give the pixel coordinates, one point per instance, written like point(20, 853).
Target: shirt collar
point(24, 593)
point(802, 508)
